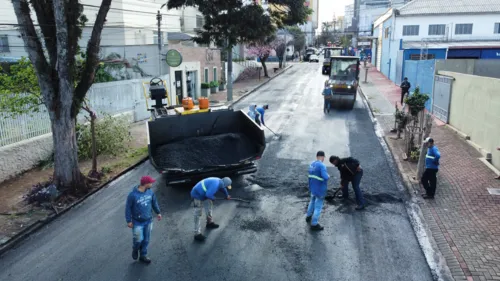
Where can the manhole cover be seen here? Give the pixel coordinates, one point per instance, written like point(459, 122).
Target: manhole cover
point(494, 191)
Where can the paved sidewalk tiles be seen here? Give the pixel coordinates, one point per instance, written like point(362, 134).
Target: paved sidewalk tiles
point(464, 218)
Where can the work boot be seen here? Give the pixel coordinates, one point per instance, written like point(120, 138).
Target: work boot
point(199, 237)
point(359, 207)
point(135, 254)
point(427, 196)
point(212, 225)
point(145, 259)
point(317, 227)
point(308, 219)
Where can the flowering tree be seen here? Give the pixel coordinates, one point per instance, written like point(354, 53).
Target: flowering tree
point(262, 51)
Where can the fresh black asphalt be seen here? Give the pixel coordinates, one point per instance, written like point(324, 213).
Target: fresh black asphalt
point(266, 239)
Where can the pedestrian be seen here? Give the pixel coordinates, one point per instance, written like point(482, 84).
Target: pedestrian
point(261, 110)
point(327, 97)
point(318, 179)
point(253, 113)
point(138, 214)
point(405, 87)
point(203, 193)
point(429, 179)
point(350, 171)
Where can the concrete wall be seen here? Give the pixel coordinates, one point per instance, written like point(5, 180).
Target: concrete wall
point(482, 67)
point(475, 110)
point(387, 60)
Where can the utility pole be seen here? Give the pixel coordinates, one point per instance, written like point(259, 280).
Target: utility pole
point(423, 149)
point(229, 72)
point(160, 43)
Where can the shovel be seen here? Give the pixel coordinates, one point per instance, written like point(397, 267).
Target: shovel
point(275, 135)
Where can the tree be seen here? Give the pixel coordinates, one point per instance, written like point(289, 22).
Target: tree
point(261, 50)
point(231, 22)
point(299, 38)
point(279, 46)
point(62, 90)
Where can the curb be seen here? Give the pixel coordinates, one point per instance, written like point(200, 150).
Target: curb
point(25, 233)
point(435, 259)
point(233, 102)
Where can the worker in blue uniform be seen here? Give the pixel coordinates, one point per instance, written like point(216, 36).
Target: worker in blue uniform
point(327, 96)
point(203, 194)
point(429, 178)
point(318, 179)
point(253, 113)
point(261, 110)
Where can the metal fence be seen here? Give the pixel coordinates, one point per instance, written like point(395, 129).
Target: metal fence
point(110, 98)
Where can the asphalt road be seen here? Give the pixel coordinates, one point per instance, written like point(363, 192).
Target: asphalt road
point(266, 239)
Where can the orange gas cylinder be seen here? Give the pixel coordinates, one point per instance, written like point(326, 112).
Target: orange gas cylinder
point(203, 102)
point(187, 103)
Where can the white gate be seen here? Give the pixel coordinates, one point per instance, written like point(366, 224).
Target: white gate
point(441, 97)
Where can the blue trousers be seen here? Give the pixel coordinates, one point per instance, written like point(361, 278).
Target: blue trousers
point(141, 233)
point(314, 209)
point(326, 105)
point(355, 185)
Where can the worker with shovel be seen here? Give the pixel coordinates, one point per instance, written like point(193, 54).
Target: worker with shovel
point(261, 110)
point(318, 178)
point(203, 193)
point(350, 171)
point(253, 113)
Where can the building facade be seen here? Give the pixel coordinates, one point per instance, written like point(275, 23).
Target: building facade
point(309, 28)
point(436, 29)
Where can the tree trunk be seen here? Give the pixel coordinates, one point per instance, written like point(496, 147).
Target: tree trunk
point(67, 173)
point(423, 149)
point(230, 73)
point(263, 62)
point(280, 63)
point(93, 171)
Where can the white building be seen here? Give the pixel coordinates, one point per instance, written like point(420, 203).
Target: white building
point(309, 28)
point(437, 29)
point(348, 15)
point(129, 22)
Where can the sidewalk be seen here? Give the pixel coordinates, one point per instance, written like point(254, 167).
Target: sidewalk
point(464, 218)
point(241, 88)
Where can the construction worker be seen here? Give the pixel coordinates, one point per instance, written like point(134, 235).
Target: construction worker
point(405, 87)
point(318, 179)
point(429, 178)
point(327, 96)
point(139, 217)
point(350, 171)
point(253, 113)
point(203, 193)
point(261, 110)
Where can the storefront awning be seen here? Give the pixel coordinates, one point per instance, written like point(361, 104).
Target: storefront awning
point(179, 36)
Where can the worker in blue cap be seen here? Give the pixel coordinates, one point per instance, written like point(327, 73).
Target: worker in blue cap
point(318, 179)
point(261, 110)
point(203, 193)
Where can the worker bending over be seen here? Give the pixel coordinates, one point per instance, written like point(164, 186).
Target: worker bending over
point(318, 178)
point(350, 171)
point(203, 193)
point(253, 113)
point(261, 110)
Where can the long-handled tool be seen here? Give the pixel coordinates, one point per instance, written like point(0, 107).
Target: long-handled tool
point(234, 199)
point(275, 135)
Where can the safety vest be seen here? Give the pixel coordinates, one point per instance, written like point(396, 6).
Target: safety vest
point(316, 177)
point(203, 186)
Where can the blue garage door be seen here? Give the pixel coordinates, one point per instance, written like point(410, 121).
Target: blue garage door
point(464, 53)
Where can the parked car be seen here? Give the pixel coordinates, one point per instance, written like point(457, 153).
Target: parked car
point(314, 58)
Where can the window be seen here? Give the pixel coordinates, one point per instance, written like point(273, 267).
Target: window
point(410, 30)
point(497, 28)
point(206, 76)
point(437, 29)
point(199, 21)
point(463, 28)
point(386, 33)
point(215, 74)
point(417, 57)
point(4, 44)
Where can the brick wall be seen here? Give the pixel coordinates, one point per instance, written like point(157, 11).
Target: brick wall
point(207, 57)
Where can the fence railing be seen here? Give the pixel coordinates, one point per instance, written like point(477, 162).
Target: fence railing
point(110, 98)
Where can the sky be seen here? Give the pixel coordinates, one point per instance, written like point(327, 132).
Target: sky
point(327, 9)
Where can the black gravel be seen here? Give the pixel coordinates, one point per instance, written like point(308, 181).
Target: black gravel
point(200, 152)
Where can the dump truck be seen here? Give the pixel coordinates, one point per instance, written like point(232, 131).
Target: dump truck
point(343, 81)
point(187, 145)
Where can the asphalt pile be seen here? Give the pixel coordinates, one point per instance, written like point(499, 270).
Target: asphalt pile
point(200, 152)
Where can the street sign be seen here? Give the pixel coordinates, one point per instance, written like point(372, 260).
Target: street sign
point(174, 58)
